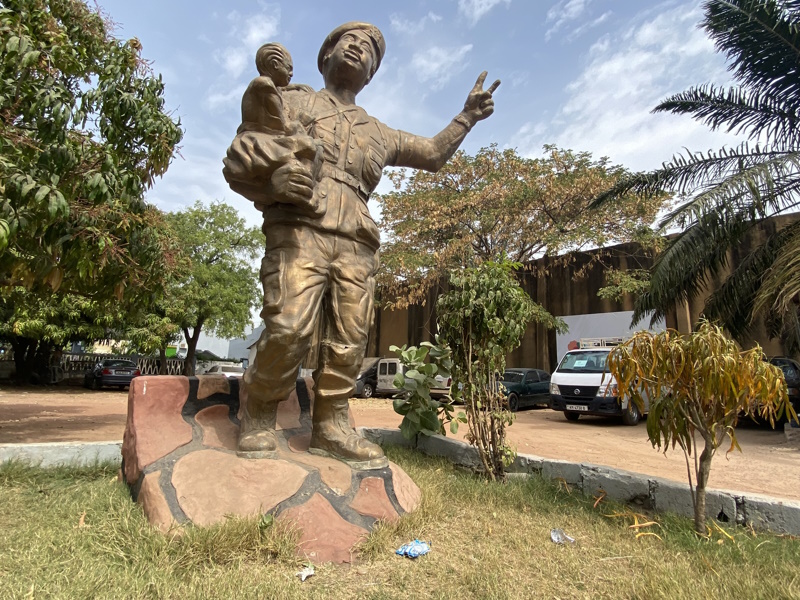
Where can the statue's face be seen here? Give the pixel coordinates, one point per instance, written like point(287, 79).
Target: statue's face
point(282, 71)
point(355, 51)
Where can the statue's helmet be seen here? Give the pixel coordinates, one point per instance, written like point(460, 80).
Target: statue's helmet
point(373, 32)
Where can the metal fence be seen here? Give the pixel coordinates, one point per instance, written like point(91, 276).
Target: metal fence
point(74, 366)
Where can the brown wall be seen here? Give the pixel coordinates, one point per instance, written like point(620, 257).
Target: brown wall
point(569, 286)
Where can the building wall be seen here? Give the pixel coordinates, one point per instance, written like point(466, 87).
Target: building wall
point(569, 286)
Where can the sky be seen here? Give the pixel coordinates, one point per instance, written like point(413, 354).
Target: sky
point(579, 74)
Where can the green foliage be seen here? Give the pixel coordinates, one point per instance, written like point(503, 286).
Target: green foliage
point(221, 288)
point(497, 202)
point(697, 384)
point(483, 318)
point(730, 191)
point(84, 135)
point(422, 413)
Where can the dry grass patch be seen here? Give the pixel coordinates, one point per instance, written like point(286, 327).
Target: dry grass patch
point(76, 534)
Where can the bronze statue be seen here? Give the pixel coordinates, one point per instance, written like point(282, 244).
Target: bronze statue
point(322, 244)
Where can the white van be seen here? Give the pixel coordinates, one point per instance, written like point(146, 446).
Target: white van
point(582, 385)
point(388, 368)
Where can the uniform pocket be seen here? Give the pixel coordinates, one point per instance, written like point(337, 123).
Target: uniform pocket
point(273, 278)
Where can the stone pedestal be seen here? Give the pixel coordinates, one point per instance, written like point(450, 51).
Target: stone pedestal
point(180, 462)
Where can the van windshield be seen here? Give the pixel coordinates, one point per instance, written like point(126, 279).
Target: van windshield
point(588, 361)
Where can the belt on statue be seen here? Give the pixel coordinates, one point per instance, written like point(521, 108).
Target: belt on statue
point(346, 178)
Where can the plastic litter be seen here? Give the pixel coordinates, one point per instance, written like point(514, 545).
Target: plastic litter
point(559, 537)
point(414, 549)
point(305, 573)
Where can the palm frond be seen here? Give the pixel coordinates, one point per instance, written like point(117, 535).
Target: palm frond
point(689, 263)
point(739, 111)
point(732, 304)
point(761, 39)
point(781, 289)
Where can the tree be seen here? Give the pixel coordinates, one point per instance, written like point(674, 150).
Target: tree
point(221, 289)
point(84, 133)
point(478, 207)
point(697, 384)
point(732, 190)
point(483, 318)
point(34, 326)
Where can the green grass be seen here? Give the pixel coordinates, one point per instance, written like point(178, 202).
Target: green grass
point(488, 541)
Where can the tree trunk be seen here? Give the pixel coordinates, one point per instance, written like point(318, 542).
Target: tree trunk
point(25, 353)
point(703, 471)
point(191, 347)
point(162, 360)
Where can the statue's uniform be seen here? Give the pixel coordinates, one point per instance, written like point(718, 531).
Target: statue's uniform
point(324, 267)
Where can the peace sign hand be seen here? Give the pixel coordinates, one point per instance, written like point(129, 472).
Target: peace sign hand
point(480, 104)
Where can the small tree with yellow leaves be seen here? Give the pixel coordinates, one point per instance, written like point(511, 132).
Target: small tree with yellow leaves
point(699, 384)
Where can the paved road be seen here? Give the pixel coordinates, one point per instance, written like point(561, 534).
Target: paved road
point(768, 464)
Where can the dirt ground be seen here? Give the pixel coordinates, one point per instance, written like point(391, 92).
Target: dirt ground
point(767, 465)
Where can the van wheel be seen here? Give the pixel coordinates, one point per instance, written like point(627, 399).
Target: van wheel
point(368, 391)
point(513, 402)
point(631, 415)
point(572, 416)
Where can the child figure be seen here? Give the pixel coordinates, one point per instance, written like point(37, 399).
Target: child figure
point(263, 116)
point(262, 103)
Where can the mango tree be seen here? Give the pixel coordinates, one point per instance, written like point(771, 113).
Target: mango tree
point(698, 384)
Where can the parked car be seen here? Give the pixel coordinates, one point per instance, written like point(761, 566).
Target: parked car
point(230, 371)
point(367, 381)
point(791, 374)
point(526, 387)
point(388, 368)
point(582, 385)
point(111, 372)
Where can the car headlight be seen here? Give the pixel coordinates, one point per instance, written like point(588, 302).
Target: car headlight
point(554, 389)
point(607, 389)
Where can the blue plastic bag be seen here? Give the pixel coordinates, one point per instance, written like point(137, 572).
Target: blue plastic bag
point(414, 549)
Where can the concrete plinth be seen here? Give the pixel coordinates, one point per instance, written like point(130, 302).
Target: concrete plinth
point(180, 462)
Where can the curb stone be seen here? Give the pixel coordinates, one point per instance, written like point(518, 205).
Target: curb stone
point(663, 495)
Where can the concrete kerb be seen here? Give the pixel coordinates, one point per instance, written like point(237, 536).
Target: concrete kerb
point(662, 495)
point(61, 454)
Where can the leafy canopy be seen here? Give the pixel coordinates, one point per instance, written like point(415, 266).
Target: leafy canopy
point(221, 288)
point(84, 135)
point(497, 202)
point(733, 189)
point(482, 318)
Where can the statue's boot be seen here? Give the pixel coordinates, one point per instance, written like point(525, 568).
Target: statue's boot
point(332, 436)
point(257, 433)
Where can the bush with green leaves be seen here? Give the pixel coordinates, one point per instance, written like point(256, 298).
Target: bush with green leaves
point(421, 412)
point(483, 318)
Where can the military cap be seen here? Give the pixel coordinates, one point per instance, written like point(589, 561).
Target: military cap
point(373, 32)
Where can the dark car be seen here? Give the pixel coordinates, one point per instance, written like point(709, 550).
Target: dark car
point(367, 381)
point(526, 387)
point(111, 372)
point(791, 374)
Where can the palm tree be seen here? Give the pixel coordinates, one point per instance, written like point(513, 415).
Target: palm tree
point(731, 190)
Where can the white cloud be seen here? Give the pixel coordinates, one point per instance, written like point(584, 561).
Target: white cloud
point(579, 31)
point(565, 11)
point(407, 27)
point(246, 34)
point(437, 65)
point(474, 10)
point(607, 110)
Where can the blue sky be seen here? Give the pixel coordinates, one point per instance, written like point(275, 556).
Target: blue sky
point(580, 74)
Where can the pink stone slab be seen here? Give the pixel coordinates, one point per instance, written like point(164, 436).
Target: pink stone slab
point(218, 430)
point(407, 492)
point(371, 500)
point(154, 427)
point(208, 385)
point(211, 484)
point(325, 535)
point(154, 504)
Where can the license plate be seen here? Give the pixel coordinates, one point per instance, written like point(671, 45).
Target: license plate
point(122, 372)
point(577, 407)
